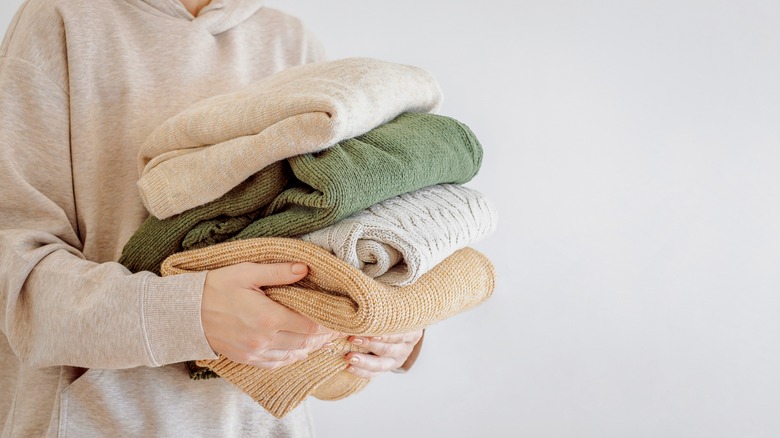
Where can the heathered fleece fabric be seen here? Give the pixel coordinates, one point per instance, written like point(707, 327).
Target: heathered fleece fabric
point(82, 84)
point(412, 151)
point(300, 110)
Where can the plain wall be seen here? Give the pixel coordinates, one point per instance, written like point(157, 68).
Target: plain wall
point(631, 150)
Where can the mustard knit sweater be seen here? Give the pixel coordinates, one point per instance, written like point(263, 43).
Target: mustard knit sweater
point(342, 298)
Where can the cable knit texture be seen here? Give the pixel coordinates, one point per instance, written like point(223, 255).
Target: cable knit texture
point(398, 240)
point(342, 298)
point(413, 151)
point(300, 110)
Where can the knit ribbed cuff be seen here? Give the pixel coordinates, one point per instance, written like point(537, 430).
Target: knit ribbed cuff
point(172, 320)
point(154, 194)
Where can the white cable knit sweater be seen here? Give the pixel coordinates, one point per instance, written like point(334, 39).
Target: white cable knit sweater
point(398, 240)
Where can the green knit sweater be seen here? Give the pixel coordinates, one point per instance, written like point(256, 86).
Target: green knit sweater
point(156, 239)
point(414, 150)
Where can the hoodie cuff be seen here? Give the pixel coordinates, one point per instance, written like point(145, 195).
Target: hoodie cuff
point(172, 320)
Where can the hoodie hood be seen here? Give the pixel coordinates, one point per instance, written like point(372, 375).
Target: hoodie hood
point(217, 17)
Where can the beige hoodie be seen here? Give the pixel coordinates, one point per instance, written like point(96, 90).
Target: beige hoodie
point(82, 84)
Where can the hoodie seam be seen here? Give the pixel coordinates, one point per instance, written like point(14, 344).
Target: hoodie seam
point(151, 10)
point(226, 13)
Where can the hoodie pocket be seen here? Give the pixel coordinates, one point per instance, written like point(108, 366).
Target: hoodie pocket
point(73, 393)
point(165, 402)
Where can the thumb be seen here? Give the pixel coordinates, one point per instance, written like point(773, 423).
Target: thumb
point(274, 274)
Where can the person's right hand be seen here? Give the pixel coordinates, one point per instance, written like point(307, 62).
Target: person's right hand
point(243, 324)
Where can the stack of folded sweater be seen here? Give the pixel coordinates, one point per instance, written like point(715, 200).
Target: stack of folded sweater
point(339, 165)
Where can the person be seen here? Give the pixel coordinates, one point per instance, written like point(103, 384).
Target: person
point(89, 349)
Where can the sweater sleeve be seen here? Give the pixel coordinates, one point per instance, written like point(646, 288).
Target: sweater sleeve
point(57, 307)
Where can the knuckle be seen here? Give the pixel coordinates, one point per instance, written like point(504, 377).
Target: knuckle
point(314, 342)
point(368, 362)
point(390, 363)
point(381, 349)
point(278, 273)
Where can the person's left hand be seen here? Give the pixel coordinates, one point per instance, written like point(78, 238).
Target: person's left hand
point(387, 353)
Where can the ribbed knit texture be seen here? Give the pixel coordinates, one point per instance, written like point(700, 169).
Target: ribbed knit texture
point(322, 375)
point(342, 298)
point(300, 110)
point(414, 150)
point(398, 240)
point(156, 239)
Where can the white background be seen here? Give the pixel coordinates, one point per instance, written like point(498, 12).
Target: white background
point(631, 150)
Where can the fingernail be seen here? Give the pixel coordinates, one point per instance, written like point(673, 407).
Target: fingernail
point(357, 341)
point(298, 268)
point(376, 338)
point(354, 360)
point(350, 369)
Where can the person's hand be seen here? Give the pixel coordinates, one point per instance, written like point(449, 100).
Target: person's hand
point(243, 324)
point(387, 353)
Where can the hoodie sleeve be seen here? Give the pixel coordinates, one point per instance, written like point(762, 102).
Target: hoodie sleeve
point(56, 307)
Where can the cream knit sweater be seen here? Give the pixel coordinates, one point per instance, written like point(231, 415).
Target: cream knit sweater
point(300, 110)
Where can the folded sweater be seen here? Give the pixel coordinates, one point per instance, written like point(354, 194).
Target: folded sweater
point(398, 240)
point(342, 298)
point(412, 151)
point(299, 110)
point(156, 239)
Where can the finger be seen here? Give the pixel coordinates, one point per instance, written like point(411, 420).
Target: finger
point(380, 347)
point(297, 323)
point(369, 366)
point(272, 274)
point(387, 339)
